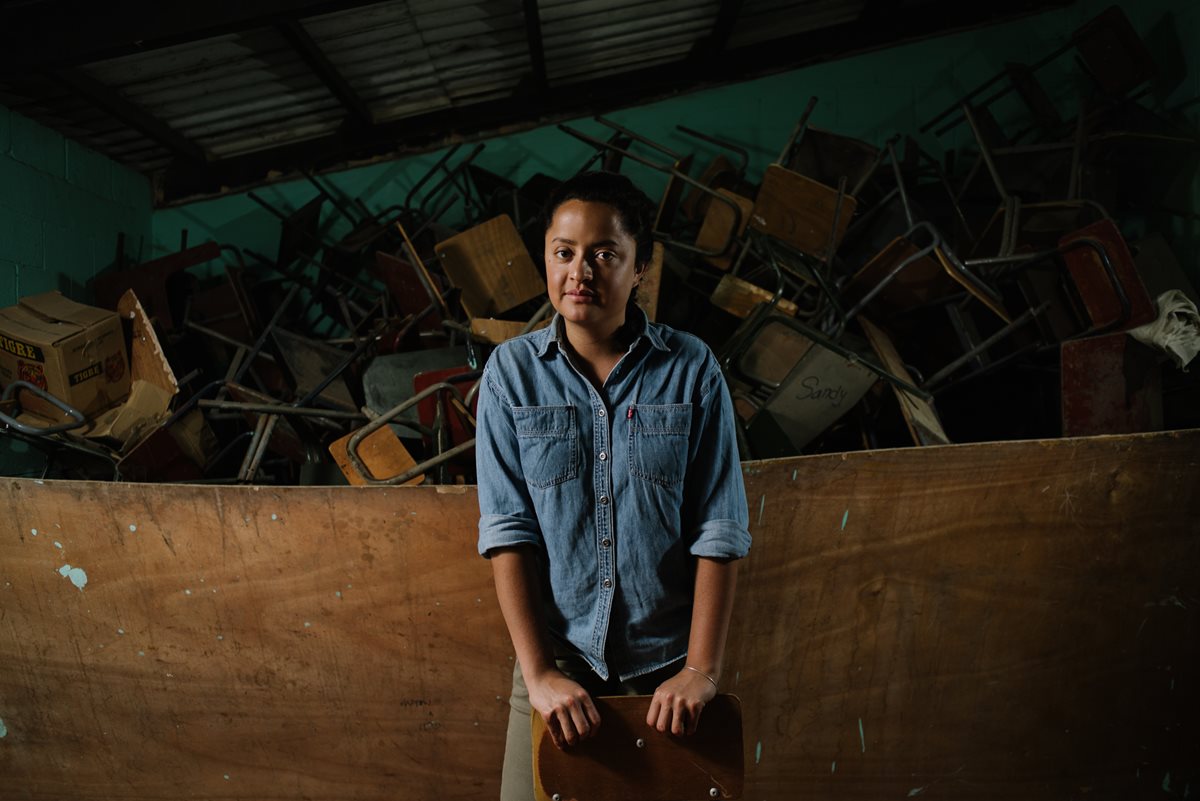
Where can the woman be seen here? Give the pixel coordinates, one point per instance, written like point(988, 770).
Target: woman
point(610, 492)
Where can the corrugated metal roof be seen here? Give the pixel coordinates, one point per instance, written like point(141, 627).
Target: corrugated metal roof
point(229, 94)
point(408, 58)
point(259, 81)
point(592, 38)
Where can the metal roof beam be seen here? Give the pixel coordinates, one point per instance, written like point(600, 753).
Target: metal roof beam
point(132, 115)
point(537, 52)
point(323, 68)
point(435, 129)
point(708, 48)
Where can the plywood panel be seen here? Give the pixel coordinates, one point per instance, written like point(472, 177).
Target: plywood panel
point(1010, 620)
point(990, 621)
point(311, 643)
point(651, 284)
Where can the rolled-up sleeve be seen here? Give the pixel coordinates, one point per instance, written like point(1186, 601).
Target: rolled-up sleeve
point(715, 518)
point(506, 514)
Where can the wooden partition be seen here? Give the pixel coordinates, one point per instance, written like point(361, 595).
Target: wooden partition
point(1013, 620)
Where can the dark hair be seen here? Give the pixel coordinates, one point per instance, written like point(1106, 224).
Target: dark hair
point(634, 209)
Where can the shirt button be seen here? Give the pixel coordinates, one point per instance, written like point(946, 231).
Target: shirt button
point(601, 412)
point(607, 583)
point(603, 456)
point(604, 500)
point(606, 542)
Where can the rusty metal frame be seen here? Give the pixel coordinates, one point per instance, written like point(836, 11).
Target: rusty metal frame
point(682, 176)
point(77, 417)
point(379, 422)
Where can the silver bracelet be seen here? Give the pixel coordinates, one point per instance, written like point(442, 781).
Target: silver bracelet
point(705, 675)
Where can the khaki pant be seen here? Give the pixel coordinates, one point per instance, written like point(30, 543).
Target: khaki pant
point(516, 783)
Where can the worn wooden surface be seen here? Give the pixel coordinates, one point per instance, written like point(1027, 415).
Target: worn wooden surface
point(739, 297)
point(1012, 620)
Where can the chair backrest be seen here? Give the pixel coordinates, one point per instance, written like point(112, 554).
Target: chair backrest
point(800, 211)
point(492, 267)
point(628, 759)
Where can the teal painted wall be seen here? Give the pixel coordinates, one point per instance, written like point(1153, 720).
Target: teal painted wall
point(62, 207)
point(870, 96)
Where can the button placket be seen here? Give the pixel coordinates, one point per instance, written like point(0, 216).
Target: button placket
point(601, 485)
point(602, 477)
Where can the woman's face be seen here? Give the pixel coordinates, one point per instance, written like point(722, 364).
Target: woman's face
point(591, 265)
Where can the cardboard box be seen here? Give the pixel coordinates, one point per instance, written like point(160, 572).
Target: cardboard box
point(74, 352)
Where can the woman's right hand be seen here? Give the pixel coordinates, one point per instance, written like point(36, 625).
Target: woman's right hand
point(566, 707)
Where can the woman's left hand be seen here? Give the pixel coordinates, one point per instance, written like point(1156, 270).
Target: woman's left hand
point(678, 701)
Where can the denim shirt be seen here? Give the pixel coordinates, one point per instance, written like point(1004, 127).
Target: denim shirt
point(617, 490)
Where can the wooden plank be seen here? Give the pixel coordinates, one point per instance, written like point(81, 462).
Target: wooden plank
point(627, 759)
point(990, 621)
point(247, 643)
point(492, 267)
point(919, 415)
point(648, 289)
point(1002, 620)
point(496, 331)
point(739, 297)
point(799, 211)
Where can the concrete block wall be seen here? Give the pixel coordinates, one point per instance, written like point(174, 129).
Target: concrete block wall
point(62, 207)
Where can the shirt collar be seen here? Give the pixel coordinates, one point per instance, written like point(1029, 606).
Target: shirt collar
point(553, 333)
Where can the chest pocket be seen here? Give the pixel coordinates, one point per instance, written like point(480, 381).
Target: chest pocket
point(658, 442)
point(549, 443)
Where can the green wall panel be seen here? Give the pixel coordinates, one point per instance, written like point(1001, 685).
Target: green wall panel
point(37, 146)
point(62, 209)
point(89, 170)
